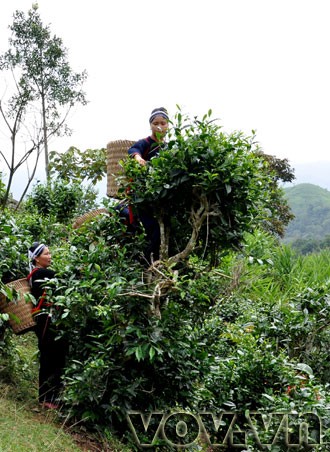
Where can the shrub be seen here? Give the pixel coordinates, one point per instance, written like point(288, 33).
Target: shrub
point(60, 200)
point(14, 243)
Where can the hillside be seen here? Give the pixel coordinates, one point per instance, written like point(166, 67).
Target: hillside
point(311, 207)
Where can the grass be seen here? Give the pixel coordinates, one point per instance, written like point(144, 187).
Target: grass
point(22, 430)
point(24, 425)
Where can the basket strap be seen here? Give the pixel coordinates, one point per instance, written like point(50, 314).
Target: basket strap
point(29, 276)
point(42, 299)
point(41, 303)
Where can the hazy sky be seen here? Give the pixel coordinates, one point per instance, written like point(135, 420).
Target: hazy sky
point(258, 64)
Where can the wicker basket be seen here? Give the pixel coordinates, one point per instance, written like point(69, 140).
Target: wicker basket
point(20, 311)
point(88, 216)
point(116, 151)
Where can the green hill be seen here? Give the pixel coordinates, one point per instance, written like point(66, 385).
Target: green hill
point(311, 207)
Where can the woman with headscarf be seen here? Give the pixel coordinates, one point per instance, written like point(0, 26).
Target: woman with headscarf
point(147, 148)
point(143, 151)
point(52, 349)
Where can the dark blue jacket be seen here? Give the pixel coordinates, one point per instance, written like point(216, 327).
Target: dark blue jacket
point(147, 148)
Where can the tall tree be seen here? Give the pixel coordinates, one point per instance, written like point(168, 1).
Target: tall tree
point(46, 87)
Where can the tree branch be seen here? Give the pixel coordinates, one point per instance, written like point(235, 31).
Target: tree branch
point(197, 219)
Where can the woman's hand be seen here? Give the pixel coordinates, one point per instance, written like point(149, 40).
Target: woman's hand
point(139, 159)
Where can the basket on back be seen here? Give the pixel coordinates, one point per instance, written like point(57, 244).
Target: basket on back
point(88, 216)
point(116, 151)
point(20, 311)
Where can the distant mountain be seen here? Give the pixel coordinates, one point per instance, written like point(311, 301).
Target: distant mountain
point(317, 173)
point(311, 206)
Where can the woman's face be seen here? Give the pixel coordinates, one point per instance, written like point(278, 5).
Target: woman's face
point(44, 259)
point(159, 127)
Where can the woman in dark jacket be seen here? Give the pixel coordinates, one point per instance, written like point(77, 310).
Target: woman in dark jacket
point(52, 350)
point(143, 151)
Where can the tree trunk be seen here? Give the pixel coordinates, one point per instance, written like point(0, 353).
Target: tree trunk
point(29, 181)
point(44, 128)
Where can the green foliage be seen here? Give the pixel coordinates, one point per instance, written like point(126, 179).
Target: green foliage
point(281, 172)
point(41, 228)
point(213, 186)
point(76, 165)
point(45, 87)
point(18, 364)
point(308, 246)
point(249, 332)
point(60, 200)
point(2, 189)
point(45, 72)
point(281, 167)
point(227, 340)
point(300, 326)
point(248, 365)
point(211, 350)
point(14, 243)
point(127, 357)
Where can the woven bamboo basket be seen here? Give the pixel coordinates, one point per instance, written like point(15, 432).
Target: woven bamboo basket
point(20, 311)
point(116, 151)
point(88, 216)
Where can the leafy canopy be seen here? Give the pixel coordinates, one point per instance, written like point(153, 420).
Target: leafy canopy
point(77, 165)
point(46, 87)
point(209, 186)
point(45, 71)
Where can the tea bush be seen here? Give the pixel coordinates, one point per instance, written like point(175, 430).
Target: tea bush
point(61, 200)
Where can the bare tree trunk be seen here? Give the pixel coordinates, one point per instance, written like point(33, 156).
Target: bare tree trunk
point(12, 168)
point(44, 128)
point(29, 181)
